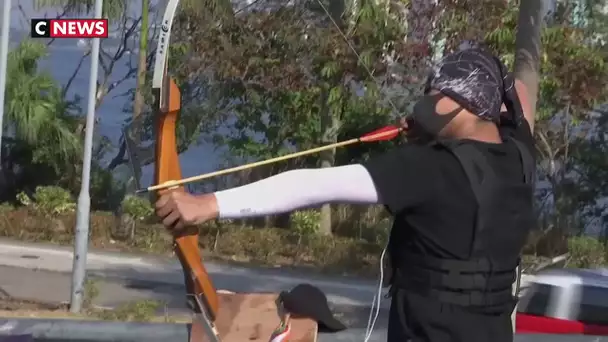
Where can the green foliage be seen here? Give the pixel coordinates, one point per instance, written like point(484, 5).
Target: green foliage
point(54, 200)
point(105, 193)
point(44, 146)
point(306, 222)
point(37, 110)
point(283, 78)
point(586, 252)
point(574, 68)
point(379, 232)
point(6, 207)
point(284, 74)
point(111, 8)
point(572, 85)
point(24, 199)
point(138, 311)
point(51, 200)
point(91, 293)
point(238, 243)
point(290, 83)
point(137, 207)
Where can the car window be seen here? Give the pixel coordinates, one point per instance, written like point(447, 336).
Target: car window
point(536, 300)
point(594, 305)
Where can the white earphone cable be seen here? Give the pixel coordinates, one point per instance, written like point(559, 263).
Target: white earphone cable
point(375, 309)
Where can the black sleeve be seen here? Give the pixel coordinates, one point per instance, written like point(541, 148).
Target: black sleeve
point(401, 176)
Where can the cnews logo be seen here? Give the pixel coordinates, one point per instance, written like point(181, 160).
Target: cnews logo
point(69, 28)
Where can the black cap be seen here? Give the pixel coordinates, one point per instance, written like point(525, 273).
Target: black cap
point(309, 301)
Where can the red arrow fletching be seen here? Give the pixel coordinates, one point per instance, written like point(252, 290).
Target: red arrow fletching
point(383, 134)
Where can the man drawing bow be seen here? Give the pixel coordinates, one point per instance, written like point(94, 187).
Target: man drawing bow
point(460, 193)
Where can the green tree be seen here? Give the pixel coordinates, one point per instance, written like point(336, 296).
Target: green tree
point(111, 8)
point(220, 9)
point(43, 142)
point(571, 72)
point(292, 74)
point(142, 67)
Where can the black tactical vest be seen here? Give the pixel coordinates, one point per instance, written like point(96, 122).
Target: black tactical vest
point(504, 218)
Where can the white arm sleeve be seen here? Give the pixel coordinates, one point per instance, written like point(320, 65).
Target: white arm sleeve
point(298, 189)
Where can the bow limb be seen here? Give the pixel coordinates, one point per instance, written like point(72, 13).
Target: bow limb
point(167, 106)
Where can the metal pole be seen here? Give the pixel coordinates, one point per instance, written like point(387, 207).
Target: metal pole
point(81, 240)
point(6, 28)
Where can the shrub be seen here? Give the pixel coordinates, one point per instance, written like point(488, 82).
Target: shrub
point(24, 199)
point(378, 232)
point(586, 252)
point(137, 207)
point(6, 207)
point(50, 200)
point(306, 222)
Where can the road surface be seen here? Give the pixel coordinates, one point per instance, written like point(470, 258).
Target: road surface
point(42, 272)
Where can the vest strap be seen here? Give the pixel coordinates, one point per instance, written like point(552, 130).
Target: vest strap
point(526, 160)
point(462, 297)
point(480, 265)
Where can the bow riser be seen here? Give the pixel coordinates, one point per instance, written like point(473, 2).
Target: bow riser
point(167, 168)
point(198, 282)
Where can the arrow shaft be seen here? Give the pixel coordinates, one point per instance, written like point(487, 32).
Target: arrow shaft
point(367, 138)
point(251, 165)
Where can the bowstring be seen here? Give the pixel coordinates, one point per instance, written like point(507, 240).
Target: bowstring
point(376, 301)
point(359, 58)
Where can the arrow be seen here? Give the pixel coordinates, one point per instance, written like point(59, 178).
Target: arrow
point(382, 134)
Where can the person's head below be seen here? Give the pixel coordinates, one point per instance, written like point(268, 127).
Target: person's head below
point(466, 94)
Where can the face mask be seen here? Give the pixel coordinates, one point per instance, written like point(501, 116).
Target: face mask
point(416, 134)
point(427, 118)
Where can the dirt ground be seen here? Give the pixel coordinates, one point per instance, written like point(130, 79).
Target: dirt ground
point(19, 308)
point(11, 307)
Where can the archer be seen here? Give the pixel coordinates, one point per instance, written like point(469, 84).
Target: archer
point(460, 192)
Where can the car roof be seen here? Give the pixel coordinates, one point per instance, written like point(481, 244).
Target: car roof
point(573, 277)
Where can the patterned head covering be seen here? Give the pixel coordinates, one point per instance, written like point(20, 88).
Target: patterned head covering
point(475, 79)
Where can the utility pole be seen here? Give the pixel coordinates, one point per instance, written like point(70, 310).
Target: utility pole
point(4, 39)
point(81, 241)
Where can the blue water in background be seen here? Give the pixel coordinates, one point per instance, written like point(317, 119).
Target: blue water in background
point(63, 58)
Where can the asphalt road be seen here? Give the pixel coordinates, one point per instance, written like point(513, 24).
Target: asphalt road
point(146, 272)
point(41, 272)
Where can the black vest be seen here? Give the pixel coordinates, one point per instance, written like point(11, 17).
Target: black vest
point(504, 218)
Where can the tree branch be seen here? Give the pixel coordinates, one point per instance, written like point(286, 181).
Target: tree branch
point(119, 159)
point(73, 76)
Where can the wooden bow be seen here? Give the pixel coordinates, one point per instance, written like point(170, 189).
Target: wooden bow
point(201, 293)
